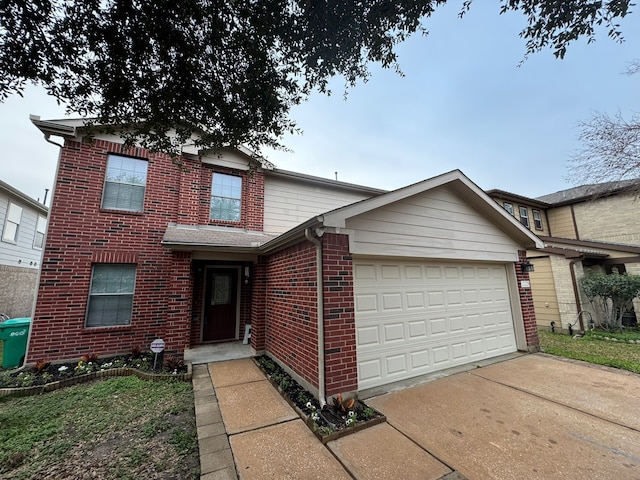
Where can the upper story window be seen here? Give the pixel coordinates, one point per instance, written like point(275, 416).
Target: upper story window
point(111, 295)
point(537, 219)
point(524, 216)
point(12, 223)
point(508, 207)
point(125, 184)
point(226, 197)
point(41, 226)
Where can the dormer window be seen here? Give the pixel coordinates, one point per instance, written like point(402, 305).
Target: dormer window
point(226, 197)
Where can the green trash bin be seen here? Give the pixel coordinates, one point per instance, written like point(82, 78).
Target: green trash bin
point(13, 341)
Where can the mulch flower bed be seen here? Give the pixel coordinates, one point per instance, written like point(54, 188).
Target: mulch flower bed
point(46, 376)
point(341, 416)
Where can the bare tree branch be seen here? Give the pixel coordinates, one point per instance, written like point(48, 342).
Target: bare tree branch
point(610, 151)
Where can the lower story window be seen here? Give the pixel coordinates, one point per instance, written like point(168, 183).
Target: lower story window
point(111, 295)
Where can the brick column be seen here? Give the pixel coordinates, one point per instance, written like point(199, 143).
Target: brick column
point(177, 326)
point(189, 203)
point(339, 316)
point(526, 305)
point(258, 304)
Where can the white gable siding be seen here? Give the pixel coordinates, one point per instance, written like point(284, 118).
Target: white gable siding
point(288, 203)
point(227, 158)
point(434, 224)
point(22, 253)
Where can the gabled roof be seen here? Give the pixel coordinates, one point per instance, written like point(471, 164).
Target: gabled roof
point(14, 192)
point(589, 192)
point(455, 179)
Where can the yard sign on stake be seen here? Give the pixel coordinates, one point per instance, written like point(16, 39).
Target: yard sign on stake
point(157, 346)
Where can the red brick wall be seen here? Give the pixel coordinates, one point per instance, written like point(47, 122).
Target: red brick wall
point(291, 322)
point(190, 186)
point(526, 304)
point(339, 317)
point(81, 234)
point(291, 312)
point(258, 304)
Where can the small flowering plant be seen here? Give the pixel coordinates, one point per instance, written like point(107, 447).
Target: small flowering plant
point(339, 414)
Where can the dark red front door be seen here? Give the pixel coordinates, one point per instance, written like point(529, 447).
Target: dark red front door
point(220, 304)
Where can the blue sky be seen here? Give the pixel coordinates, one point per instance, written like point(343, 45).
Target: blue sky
point(463, 103)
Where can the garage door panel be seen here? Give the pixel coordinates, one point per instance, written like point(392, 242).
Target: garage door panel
point(391, 301)
point(366, 303)
point(393, 332)
point(414, 318)
point(368, 336)
point(417, 329)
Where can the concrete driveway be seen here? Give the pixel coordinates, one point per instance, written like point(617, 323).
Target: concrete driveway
point(534, 416)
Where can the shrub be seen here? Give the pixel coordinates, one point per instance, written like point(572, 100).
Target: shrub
point(611, 296)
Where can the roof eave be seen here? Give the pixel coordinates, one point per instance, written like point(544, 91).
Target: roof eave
point(53, 128)
point(290, 237)
point(189, 247)
point(24, 198)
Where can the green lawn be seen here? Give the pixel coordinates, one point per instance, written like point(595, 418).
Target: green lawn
point(118, 428)
point(593, 349)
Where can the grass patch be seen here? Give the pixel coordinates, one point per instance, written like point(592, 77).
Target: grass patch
point(592, 349)
point(120, 427)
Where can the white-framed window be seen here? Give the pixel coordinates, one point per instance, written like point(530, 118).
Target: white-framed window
point(111, 295)
point(124, 184)
point(524, 216)
point(41, 226)
point(537, 219)
point(12, 223)
point(226, 197)
point(508, 207)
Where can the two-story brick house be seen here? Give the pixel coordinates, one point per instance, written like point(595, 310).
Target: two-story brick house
point(591, 228)
point(22, 226)
point(346, 286)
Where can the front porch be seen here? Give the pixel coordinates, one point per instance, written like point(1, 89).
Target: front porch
point(217, 352)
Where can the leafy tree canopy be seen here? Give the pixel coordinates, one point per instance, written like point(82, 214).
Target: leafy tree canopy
point(229, 71)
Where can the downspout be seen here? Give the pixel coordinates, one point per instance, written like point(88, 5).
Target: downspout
point(44, 244)
point(320, 307)
point(575, 289)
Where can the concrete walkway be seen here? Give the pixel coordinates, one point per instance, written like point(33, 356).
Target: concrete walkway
point(530, 417)
point(263, 437)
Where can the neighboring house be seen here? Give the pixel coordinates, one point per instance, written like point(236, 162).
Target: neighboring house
point(591, 228)
point(347, 287)
point(23, 222)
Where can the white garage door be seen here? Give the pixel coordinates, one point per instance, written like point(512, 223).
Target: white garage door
point(415, 318)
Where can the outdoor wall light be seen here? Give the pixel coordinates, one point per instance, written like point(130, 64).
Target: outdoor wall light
point(526, 267)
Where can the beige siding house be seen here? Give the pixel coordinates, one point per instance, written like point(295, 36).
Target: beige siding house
point(592, 228)
point(291, 198)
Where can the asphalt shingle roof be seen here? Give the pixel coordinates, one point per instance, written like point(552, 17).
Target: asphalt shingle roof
point(205, 235)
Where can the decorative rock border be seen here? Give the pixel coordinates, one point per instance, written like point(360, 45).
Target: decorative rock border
point(311, 424)
point(603, 336)
point(110, 372)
